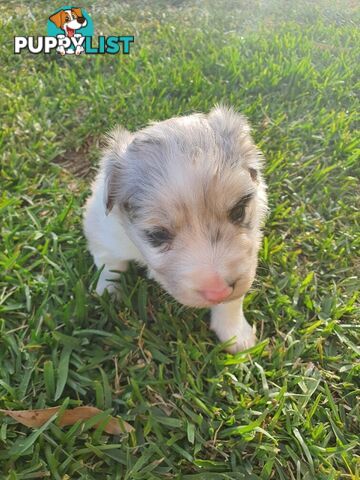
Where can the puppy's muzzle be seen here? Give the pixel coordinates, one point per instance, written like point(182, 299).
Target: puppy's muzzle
point(215, 289)
point(216, 296)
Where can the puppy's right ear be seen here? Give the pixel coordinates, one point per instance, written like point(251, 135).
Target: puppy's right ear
point(112, 174)
point(112, 166)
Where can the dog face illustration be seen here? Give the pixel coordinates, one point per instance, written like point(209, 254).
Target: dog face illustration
point(69, 20)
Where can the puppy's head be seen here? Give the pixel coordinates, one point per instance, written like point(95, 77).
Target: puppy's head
point(192, 199)
point(69, 20)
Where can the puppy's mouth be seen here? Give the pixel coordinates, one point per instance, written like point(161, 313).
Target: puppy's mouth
point(70, 31)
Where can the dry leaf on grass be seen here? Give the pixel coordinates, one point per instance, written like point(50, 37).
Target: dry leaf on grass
point(36, 418)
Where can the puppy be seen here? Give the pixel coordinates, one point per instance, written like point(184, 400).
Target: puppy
point(186, 198)
point(69, 20)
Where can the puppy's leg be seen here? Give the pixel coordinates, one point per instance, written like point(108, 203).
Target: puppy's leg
point(108, 277)
point(107, 241)
point(228, 321)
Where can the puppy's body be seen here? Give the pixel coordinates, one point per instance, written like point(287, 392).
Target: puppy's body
point(186, 198)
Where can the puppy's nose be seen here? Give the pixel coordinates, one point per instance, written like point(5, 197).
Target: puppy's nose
point(81, 20)
point(217, 295)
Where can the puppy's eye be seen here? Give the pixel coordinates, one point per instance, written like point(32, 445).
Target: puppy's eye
point(158, 236)
point(237, 212)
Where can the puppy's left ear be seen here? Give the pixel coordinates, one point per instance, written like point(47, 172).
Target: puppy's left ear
point(112, 180)
point(112, 165)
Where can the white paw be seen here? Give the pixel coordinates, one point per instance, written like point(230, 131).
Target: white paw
point(106, 282)
point(111, 287)
point(108, 279)
point(242, 335)
point(242, 342)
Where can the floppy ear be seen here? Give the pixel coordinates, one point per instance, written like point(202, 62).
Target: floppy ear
point(112, 165)
point(111, 182)
point(58, 18)
point(77, 12)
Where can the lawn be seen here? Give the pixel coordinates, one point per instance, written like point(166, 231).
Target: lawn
point(288, 408)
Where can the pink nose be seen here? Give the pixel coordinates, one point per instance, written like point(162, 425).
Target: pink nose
point(217, 295)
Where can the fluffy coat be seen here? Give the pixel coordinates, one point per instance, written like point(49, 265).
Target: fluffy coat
point(186, 198)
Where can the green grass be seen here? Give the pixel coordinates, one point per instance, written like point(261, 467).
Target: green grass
point(287, 409)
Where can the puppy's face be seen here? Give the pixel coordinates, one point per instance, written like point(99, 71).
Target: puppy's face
point(69, 20)
point(192, 200)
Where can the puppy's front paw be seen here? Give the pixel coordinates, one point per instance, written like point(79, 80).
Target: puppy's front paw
point(108, 278)
point(244, 339)
point(241, 333)
point(106, 282)
point(110, 287)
